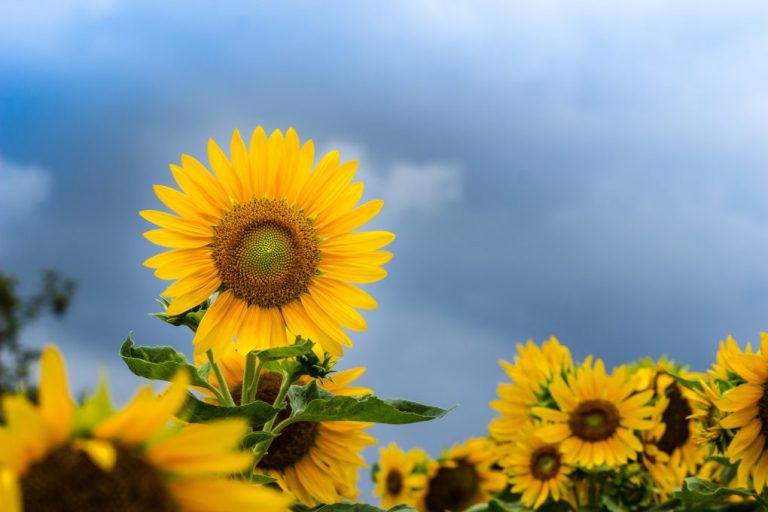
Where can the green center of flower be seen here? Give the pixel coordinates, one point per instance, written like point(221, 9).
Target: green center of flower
point(266, 252)
point(394, 483)
point(295, 441)
point(545, 462)
point(453, 489)
point(594, 420)
point(67, 479)
point(676, 423)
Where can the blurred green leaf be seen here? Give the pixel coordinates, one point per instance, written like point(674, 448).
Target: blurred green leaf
point(161, 363)
point(196, 411)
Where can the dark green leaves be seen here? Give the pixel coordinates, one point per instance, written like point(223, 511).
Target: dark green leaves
point(197, 411)
point(697, 491)
point(161, 363)
point(361, 507)
point(300, 348)
point(312, 403)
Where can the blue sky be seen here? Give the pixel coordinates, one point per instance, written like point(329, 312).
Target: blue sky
point(595, 172)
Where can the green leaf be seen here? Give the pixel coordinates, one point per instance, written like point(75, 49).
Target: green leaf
point(196, 411)
point(254, 438)
point(161, 363)
point(300, 348)
point(611, 505)
point(312, 403)
point(95, 408)
point(686, 383)
point(262, 479)
point(696, 490)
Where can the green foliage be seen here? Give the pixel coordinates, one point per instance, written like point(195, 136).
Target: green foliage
point(312, 403)
point(696, 491)
point(190, 318)
point(361, 507)
point(161, 363)
point(55, 296)
point(197, 411)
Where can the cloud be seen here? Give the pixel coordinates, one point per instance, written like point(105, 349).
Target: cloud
point(22, 189)
point(408, 188)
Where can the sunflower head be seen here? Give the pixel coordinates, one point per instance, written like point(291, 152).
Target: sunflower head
point(400, 477)
point(272, 238)
point(59, 457)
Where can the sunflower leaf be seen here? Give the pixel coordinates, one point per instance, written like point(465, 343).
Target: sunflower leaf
point(196, 411)
point(361, 507)
point(696, 490)
point(254, 438)
point(161, 363)
point(299, 348)
point(310, 402)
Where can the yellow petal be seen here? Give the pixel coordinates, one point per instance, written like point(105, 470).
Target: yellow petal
point(10, 491)
point(56, 405)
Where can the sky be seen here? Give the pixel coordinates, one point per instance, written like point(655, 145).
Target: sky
point(595, 171)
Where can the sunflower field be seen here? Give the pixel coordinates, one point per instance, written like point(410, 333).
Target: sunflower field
point(265, 249)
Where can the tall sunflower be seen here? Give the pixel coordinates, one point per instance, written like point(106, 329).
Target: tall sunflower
point(400, 479)
point(536, 469)
point(317, 462)
point(531, 374)
point(58, 457)
point(746, 413)
point(597, 416)
point(464, 477)
point(274, 237)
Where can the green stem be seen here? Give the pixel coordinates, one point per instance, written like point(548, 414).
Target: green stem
point(227, 397)
point(250, 368)
point(260, 450)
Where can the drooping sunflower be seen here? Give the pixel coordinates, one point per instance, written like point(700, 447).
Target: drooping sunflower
point(274, 237)
point(400, 479)
point(531, 374)
point(58, 457)
point(317, 462)
point(464, 477)
point(536, 469)
point(746, 413)
point(597, 416)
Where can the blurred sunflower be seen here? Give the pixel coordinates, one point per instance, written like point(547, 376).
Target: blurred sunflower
point(464, 477)
point(274, 237)
point(399, 479)
point(597, 417)
point(57, 457)
point(746, 413)
point(531, 374)
point(536, 469)
point(317, 462)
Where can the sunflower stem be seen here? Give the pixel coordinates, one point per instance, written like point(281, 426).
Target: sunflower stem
point(250, 378)
point(223, 388)
point(260, 450)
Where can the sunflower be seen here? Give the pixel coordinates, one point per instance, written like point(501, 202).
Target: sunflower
point(464, 477)
point(274, 237)
point(317, 462)
point(531, 374)
point(671, 451)
point(60, 457)
point(746, 413)
point(398, 479)
point(597, 417)
point(536, 469)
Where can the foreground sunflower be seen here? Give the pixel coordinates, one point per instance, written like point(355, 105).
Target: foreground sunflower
point(398, 479)
point(464, 477)
point(746, 409)
point(57, 457)
point(274, 237)
point(317, 462)
point(536, 469)
point(597, 417)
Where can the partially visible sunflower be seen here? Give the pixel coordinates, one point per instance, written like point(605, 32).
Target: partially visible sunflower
point(317, 462)
point(746, 413)
point(598, 416)
point(274, 237)
point(536, 469)
point(532, 372)
point(465, 476)
point(399, 479)
point(57, 457)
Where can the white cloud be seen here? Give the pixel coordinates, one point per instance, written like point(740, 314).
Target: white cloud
point(407, 188)
point(22, 189)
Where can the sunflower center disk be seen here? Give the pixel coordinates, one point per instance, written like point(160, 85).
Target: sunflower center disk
point(594, 420)
point(675, 419)
point(266, 252)
point(394, 483)
point(453, 489)
point(67, 479)
point(545, 463)
point(295, 441)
